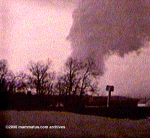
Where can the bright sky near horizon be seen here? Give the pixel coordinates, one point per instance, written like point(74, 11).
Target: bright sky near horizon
point(33, 30)
point(37, 30)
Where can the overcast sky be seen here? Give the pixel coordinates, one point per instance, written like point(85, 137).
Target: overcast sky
point(37, 30)
point(34, 30)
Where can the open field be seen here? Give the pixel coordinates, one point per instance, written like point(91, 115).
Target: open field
point(76, 125)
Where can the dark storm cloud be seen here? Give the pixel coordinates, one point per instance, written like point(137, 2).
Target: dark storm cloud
point(105, 27)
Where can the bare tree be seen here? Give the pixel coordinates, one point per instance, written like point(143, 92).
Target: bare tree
point(22, 82)
point(3, 73)
point(70, 79)
point(7, 78)
point(11, 82)
point(40, 77)
point(60, 87)
point(88, 76)
point(48, 86)
point(78, 77)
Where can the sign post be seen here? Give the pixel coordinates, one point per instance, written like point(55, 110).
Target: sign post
point(110, 89)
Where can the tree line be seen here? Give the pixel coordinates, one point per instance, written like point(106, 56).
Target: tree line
point(75, 79)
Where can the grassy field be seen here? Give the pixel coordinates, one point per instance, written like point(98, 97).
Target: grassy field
point(76, 125)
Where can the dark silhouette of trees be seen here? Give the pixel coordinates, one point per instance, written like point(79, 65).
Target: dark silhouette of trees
point(7, 78)
point(88, 76)
point(41, 79)
point(22, 82)
point(69, 80)
point(3, 73)
point(7, 85)
point(11, 82)
point(78, 76)
point(77, 79)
